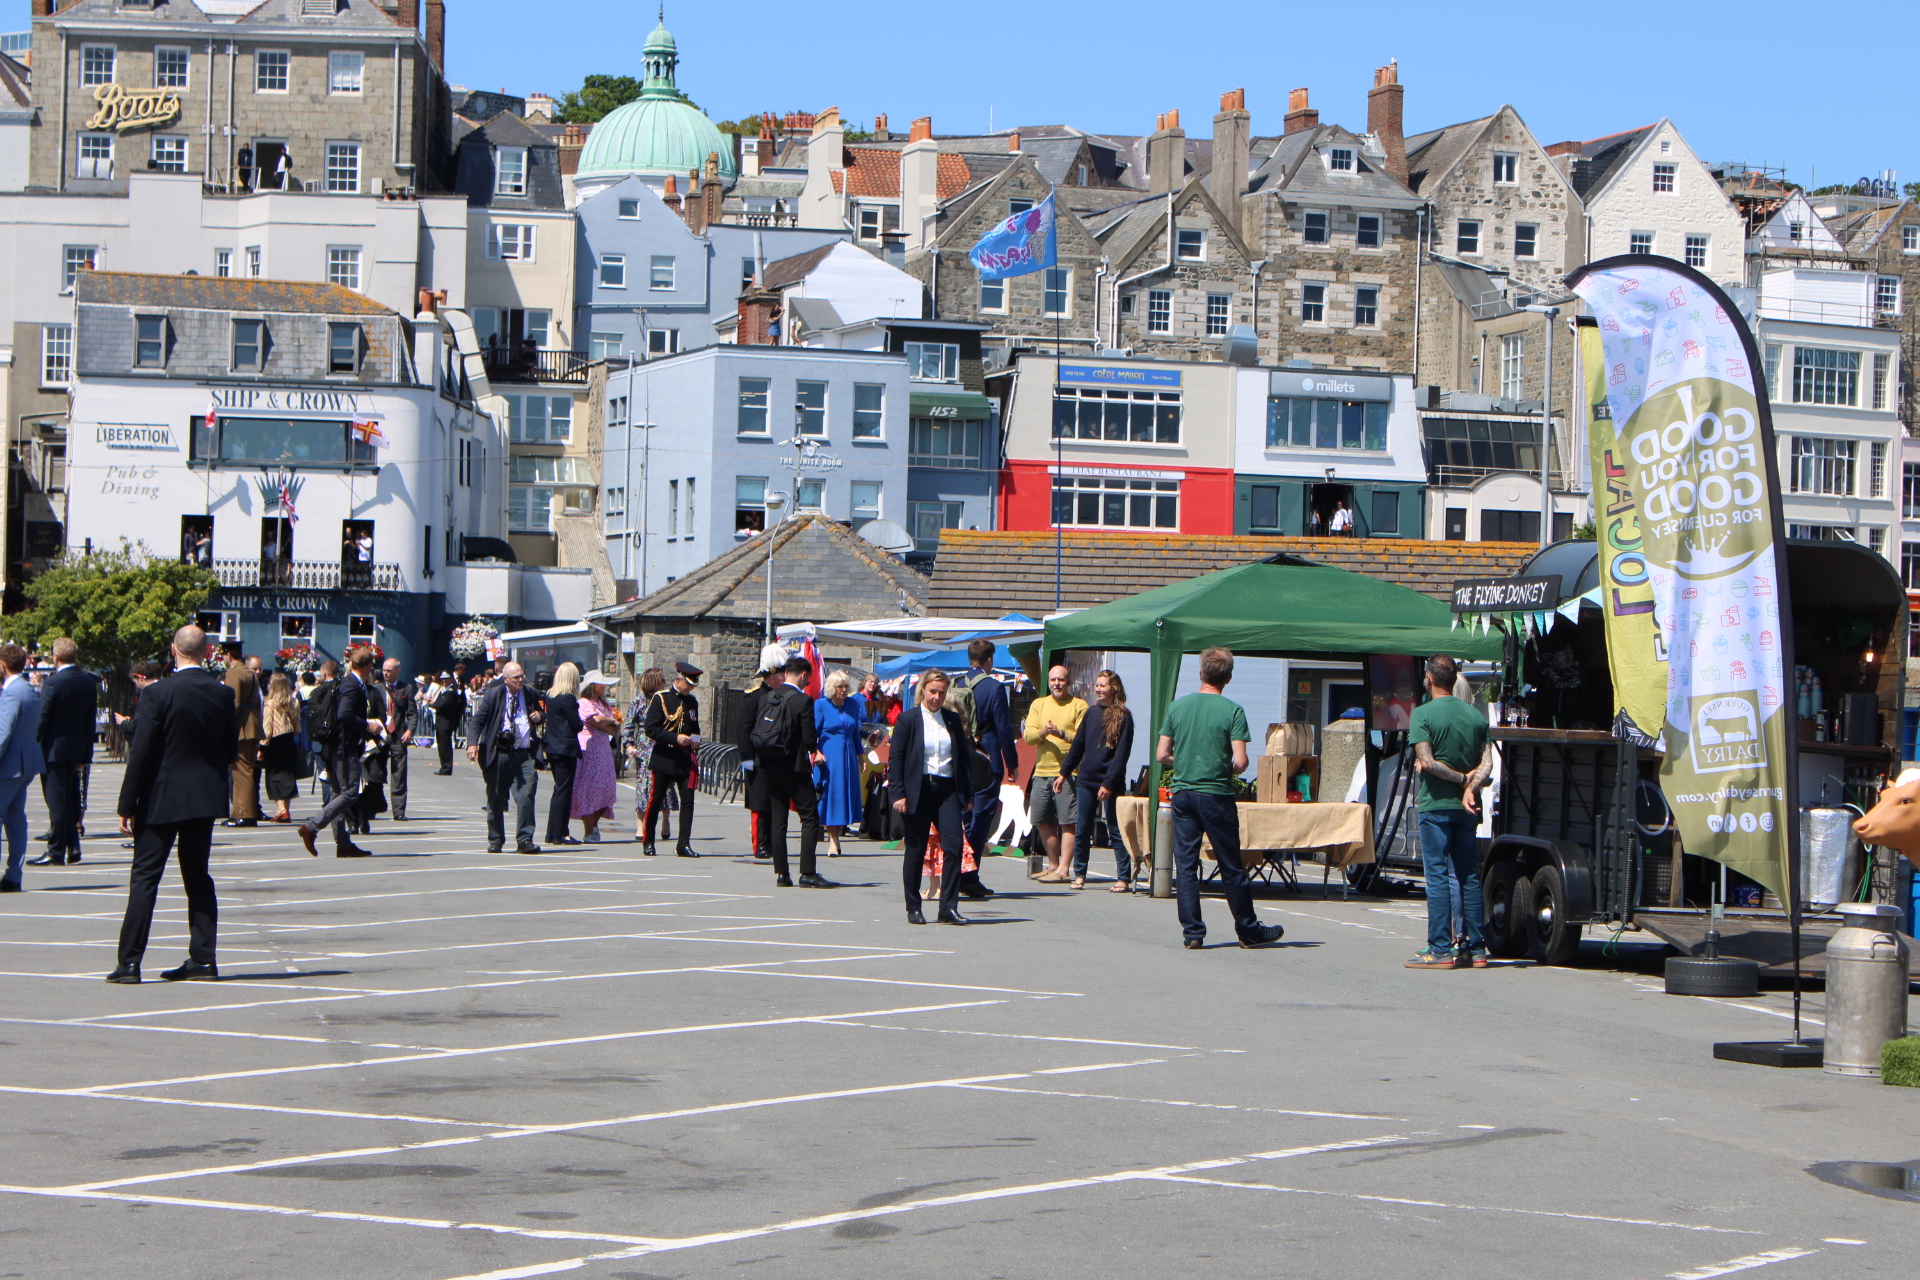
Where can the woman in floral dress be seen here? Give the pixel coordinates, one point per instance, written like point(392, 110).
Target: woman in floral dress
point(593, 785)
point(640, 751)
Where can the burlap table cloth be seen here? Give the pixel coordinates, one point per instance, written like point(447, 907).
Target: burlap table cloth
point(1338, 835)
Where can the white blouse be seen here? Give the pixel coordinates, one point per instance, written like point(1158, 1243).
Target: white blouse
point(938, 743)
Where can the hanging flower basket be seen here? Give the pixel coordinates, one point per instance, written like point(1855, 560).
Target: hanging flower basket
point(470, 640)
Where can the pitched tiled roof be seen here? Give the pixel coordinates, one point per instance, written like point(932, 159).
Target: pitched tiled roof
point(211, 293)
point(1605, 155)
point(786, 271)
point(15, 80)
point(1432, 154)
point(986, 574)
point(822, 572)
point(875, 172)
point(1297, 167)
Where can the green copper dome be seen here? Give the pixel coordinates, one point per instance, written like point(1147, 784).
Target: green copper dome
point(661, 133)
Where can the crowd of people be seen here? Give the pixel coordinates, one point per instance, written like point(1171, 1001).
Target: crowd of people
point(204, 746)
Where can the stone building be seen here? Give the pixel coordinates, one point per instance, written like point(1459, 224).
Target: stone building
point(349, 93)
point(1886, 241)
point(1181, 276)
point(1646, 192)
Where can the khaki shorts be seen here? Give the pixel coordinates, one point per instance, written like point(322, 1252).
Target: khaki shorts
point(1044, 806)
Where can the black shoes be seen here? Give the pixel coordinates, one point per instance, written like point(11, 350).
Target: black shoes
point(979, 892)
point(443, 773)
point(51, 859)
point(12, 886)
point(1195, 944)
point(562, 840)
point(127, 973)
point(685, 851)
point(190, 970)
point(817, 881)
point(1268, 935)
point(952, 917)
point(241, 822)
point(528, 848)
point(914, 917)
point(647, 851)
point(307, 835)
point(352, 851)
point(495, 848)
point(783, 882)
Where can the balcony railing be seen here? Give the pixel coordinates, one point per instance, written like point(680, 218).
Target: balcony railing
point(1847, 313)
point(308, 575)
point(506, 365)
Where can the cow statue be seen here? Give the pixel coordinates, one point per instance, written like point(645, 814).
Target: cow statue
point(1895, 821)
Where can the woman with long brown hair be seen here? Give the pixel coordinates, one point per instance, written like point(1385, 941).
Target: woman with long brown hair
point(1096, 766)
point(280, 756)
point(929, 768)
point(640, 751)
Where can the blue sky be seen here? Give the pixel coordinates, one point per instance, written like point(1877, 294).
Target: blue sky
point(1824, 94)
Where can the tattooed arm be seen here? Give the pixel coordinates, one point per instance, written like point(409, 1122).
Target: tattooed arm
point(1423, 760)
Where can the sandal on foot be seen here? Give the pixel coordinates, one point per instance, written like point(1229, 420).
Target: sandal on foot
point(1119, 886)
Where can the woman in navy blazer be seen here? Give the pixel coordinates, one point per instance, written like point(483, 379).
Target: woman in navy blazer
point(930, 782)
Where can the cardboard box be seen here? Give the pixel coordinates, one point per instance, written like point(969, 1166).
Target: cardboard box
point(1294, 739)
point(1276, 773)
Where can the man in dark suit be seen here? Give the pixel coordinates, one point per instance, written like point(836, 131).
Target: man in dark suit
point(787, 773)
point(773, 666)
point(403, 712)
point(68, 702)
point(352, 725)
point(673, 722)
point(20, 758)
point(997, 759)
point(449, 707)
point(178, 782)
point(245, 804)
point(561, 739)
point(501, 739)
point(931, 772)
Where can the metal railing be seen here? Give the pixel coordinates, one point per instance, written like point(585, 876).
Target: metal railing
point(1847, 313)
point(719, 770)
point(308, 575)
point(506, 365)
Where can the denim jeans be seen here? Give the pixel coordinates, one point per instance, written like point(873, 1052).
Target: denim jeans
point(1451, 854)
point(1088, 807)
point(1193, 813)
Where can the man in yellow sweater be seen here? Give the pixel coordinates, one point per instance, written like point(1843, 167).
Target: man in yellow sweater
point(1051, 723)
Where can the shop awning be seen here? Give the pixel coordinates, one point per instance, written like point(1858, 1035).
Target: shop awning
point(949, 404)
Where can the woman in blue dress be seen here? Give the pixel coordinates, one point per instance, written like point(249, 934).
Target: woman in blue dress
point(837, 719)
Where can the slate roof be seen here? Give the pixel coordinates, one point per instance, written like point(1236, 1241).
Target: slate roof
point(1434, 153)
point(1297, 167)
point(985, 574)
point(822, 572)
point(786, 271)
point(210, 293)
point(15, 81)
point(509, 130)
point(1604, 156)
point(1860, 231)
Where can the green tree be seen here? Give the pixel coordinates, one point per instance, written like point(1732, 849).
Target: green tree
point(596, 98)
point(120, 607)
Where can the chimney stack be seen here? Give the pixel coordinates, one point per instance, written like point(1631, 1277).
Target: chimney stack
point(670, 197)
point(919, 183)
point(407, 14)
point(1557, 149)
point(1384, 103)
point(821, 206)
point(880, 133)
point(1299, 114)
point(759, 314)
point(1013, 143)
point(1232, 152)
point(1167, 156)
point(437, 33)
point(43, 8)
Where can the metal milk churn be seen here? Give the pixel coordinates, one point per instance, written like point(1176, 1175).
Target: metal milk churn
point(1831, 857)
point(1866, 988)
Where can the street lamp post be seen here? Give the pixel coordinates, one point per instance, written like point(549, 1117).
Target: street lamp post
point(1546, 428)
point(773, 502)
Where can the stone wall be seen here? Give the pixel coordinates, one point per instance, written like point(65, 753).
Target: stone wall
point(1343, 266)
point(1223, 270)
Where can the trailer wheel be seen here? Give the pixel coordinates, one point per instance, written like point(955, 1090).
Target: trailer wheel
point(1506, 892)
point(1555, 939)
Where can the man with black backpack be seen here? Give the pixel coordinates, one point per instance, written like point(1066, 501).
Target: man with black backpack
point(784, 741)
point(987, 714)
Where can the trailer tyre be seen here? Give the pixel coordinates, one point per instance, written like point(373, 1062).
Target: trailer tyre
point(1726, 976)
point(1554, 938)
point(1506, 925)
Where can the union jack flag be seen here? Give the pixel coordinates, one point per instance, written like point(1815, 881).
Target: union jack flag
point(286, 499)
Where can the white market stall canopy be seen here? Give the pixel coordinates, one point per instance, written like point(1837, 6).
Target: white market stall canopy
point(893, 633)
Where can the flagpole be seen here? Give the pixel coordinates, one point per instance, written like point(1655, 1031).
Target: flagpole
point(1059, 439)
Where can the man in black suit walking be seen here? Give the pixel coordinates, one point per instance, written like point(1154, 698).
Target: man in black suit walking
point(500, 739)
point(178, 783)
point(402, 719)
point(351, 727)
point(68, 701)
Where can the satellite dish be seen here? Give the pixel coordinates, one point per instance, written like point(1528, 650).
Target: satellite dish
point(887, 535)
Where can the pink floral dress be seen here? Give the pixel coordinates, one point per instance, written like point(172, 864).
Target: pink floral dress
point(593, 784)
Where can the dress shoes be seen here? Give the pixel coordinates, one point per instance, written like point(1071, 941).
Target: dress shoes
point(307, 835)
point(50, 859)
point(952, 917)
point(495, 848)
point(528, 848)
point(647, 851)
point(685, 852)
point(817, 881)
point(914, 917)
point(241, 822)
point(127, 973)
point(1268, 935)
point(192, 969)
point(12, 886)
point(783, 882)
point(562, 840)
point(979, 892)
point(353, 851)
point(45, 837)
point(443, 773)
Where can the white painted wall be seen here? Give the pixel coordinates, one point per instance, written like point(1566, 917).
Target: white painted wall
point(861, 286)
point(1696, 205)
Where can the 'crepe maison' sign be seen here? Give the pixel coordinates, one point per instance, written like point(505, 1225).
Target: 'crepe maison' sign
point(121, 108)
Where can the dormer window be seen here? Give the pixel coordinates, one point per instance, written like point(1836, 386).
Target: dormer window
point(510, 171)
point(1340, 159)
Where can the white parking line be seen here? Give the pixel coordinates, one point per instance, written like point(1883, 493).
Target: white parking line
point(1748, 1263)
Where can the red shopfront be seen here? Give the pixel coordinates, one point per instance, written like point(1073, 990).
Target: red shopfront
point(1092, 497)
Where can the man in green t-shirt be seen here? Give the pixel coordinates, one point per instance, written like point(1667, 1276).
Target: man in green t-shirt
point(1204, 741)
point(1453, 752)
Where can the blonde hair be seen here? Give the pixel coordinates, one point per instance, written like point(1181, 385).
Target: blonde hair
point(566, 679)
point(839, 678)
point(927, 681)
point(279, 705)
